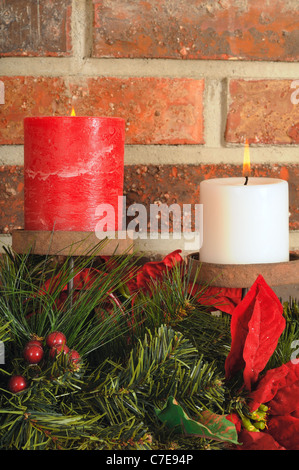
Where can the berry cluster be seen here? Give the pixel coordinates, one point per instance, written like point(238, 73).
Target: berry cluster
point(33, 353)
point(56, 341)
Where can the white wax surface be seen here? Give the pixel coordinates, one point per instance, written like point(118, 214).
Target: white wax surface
point(245, 224)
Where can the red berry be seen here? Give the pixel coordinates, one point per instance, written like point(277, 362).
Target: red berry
point(34, 341)
point(33, 353)
point(17, 383)
point(56, 337)
point(74, 356)
point(57, 348)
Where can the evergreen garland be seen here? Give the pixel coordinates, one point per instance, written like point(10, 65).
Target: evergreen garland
point(135, 354)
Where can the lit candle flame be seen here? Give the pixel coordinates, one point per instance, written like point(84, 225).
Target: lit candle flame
point(246, 161)
point(73, 112)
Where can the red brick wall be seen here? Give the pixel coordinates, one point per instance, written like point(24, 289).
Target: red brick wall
point(198, 29)
point(193, 80)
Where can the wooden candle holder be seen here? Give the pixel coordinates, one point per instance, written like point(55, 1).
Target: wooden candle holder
point(69, 243)
point(244, 275)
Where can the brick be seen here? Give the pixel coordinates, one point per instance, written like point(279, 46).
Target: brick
point(156, 110)
point(28, 96)
point(11, 198)
point(151, 184)
point(263, 111)
point(169, 184)
point(33, 28)
point(201, 29)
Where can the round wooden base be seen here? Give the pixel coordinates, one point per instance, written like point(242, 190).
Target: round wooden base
point(244, 275)
point(68, 243)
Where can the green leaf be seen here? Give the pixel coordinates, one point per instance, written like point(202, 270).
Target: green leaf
point(210, 426)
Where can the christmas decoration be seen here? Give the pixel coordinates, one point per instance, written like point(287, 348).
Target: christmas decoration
point(34, 342)
point(33, 353)
point(211, 425)
point(74, 356)
point(58, 349)
point(55, 338)
point(142, 360)
point(17, 383)
point(256, 325)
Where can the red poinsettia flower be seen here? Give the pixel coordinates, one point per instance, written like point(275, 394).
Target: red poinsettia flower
point(279, 390)
point(256, 325)
point(273, 401)
point(152, 270)
point(82, 280)
point(224, 299)
point(135, 280)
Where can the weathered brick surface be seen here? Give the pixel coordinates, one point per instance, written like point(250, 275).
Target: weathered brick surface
point(35, 28)
point(151, 184)
point(200, 29)
point(11, 198)
point(170, 184)
point(156, 110)
point(263, 111)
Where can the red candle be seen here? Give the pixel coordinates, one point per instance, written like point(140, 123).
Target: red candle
point(72, 165)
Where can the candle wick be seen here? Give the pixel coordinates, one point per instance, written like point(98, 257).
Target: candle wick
point(246, 180)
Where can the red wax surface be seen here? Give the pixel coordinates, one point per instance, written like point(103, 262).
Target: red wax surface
point(72, 165)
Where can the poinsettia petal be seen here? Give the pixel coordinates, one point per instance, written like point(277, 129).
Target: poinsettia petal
point(256, 326)
point(265, 327)
point(286, 399)
point(154, 269)
point(149, 273)
point(257, 441)
point(50, 285)
point(239, 331)
point(172, 258)
point(279, 388)
point(285, 430)
point(223, 299)
point(268, 387)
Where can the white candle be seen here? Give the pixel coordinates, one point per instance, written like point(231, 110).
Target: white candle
point(245, 224)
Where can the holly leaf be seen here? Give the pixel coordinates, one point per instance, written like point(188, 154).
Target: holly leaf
point(210, 425)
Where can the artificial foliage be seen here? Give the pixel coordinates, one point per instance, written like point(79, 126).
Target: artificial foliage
point(159, 364)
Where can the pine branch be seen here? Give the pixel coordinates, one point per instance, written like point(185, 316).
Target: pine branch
point(175, 301)
point(209, 333)
point(164, 363)
point(32, 310)
point(168, 299)
point(173, 349)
